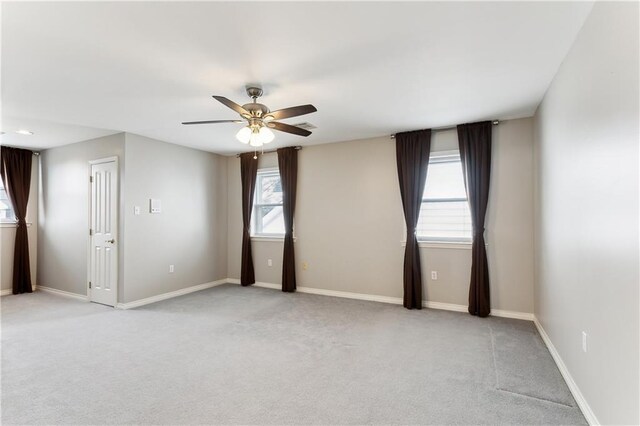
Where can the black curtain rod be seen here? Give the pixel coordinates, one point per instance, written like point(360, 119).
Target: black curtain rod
point(271, 150)
point(441, 129)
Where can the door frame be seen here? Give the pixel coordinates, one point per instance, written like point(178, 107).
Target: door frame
point(117, 227)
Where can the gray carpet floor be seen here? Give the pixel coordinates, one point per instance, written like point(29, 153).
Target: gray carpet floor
point(238, 355)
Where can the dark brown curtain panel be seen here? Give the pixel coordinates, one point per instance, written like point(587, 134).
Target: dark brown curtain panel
point(15, 168)
point(412, 156)
point(475, 154)
point(248, 174)
point(288, 165)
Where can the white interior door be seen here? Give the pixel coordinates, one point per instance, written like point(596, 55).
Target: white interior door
point(103, 269)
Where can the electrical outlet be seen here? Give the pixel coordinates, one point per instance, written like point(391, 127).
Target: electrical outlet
point(269, 262)
point(171, 269)
point(584, 341)
point(305, 265)
point(434, 275)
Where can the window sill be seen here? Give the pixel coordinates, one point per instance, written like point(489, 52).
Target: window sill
point(269, 239)
point(12, 224)
point(458, 245)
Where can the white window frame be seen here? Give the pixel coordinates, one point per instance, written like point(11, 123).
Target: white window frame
point(5, 221)
point(255, 225)
point(435, 158)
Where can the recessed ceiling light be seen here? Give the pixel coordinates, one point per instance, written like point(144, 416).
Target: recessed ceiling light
point(24, 132)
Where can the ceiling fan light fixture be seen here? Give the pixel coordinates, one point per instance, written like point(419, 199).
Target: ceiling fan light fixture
point(255, 136)
point(260, 120)
point(244, 135)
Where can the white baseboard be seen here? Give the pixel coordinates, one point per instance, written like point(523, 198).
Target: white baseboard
point(386, 299)
point(345, 294)
point(527, 316)
point(444, 306)
point(573, 387)
point(310, 290)
point(9, 291)
point(322, 292)
point(76, 296)
point(170, 295)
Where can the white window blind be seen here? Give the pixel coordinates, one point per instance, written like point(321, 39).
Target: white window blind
point(267, 218)
point(444, 213)
point(6, 210)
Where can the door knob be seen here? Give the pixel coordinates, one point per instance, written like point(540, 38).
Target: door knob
point(111, 241)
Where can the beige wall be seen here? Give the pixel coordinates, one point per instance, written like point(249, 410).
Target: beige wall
point(8, 236)
point(63, 219)
point(349, 223)
point(587, 212)
point(190, 233)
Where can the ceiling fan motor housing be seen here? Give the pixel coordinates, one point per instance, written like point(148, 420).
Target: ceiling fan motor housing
point(256, 109)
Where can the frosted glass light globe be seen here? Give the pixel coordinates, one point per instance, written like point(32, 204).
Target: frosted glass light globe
point(266, 135)
point(255, 139)
point(244, 135)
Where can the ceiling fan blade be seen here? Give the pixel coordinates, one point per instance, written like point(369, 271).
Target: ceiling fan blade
point(289, 129)
point(212, 121)
point(292, 112)
point(229, 103)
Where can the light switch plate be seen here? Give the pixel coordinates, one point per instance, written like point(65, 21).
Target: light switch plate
point(155, 205)
point(136, 210)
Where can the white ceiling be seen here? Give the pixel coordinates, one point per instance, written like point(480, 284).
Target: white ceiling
point(73, 71)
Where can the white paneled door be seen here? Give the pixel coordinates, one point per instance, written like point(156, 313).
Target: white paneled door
point(103, 269)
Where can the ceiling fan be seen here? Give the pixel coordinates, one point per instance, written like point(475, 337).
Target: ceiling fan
point(260, 119)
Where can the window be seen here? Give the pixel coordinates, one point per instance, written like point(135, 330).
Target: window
point(6, 210)
point(444, 214)
point(267, 219)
